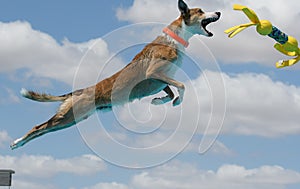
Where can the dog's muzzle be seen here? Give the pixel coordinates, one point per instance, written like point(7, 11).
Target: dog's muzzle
point(207, 21)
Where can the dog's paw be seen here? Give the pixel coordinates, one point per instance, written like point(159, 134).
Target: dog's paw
point(177, 101)
point(157, 101)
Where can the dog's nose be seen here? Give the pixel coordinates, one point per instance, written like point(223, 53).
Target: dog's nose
point(218, 13)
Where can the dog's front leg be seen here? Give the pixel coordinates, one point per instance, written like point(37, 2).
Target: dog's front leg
point(158, 71)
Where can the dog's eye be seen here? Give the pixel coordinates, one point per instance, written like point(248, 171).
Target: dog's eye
point(200, 11)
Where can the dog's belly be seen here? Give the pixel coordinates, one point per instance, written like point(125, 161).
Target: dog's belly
point(129, 92)
point(146, 88)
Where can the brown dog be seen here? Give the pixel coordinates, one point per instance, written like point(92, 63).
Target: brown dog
point(150, 71)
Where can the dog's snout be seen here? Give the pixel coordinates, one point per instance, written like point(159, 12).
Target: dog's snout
point(219, 14)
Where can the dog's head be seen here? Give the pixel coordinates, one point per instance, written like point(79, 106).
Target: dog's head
point(196, 20)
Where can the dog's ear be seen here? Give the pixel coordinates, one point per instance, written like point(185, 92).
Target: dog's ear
point(184, 9)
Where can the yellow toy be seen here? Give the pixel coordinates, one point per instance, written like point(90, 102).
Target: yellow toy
point(287, 45)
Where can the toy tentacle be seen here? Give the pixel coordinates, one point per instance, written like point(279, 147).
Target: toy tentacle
point(237, 29)
point(286, 63)
point(238, 7)
point(249, 12)
point(251, 15)
point(296, 60)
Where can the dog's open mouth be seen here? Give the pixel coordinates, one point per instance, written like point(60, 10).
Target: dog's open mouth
point(206, 22)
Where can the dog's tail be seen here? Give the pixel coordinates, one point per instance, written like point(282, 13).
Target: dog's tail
point(42, 97)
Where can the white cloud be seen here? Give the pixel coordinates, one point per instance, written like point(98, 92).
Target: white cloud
point(218, 148)
point(188, 176)
point(8, 96)
point(262, 175)
point(12, 97)
point(16, 183)
point(112, 185)
point(246, 47)
point(4, 138)
point(34, 171)
point(158, 11)
point(32, 166)
point(152, 11)
point(40, 55)
point(183, 175)
point(256, 105)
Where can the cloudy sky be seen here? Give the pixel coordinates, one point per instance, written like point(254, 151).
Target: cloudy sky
point(238, 126)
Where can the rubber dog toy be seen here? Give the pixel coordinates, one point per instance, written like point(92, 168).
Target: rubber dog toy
point(287, 45)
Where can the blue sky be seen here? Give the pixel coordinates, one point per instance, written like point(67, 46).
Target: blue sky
point(56, 46)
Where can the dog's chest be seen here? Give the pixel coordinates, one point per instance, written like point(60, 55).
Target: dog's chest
point(174, 65)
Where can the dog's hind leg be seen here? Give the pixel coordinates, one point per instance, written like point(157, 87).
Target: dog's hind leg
point(73, 110)
point(55, 123)
point(165, 99)
point(62, 119)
